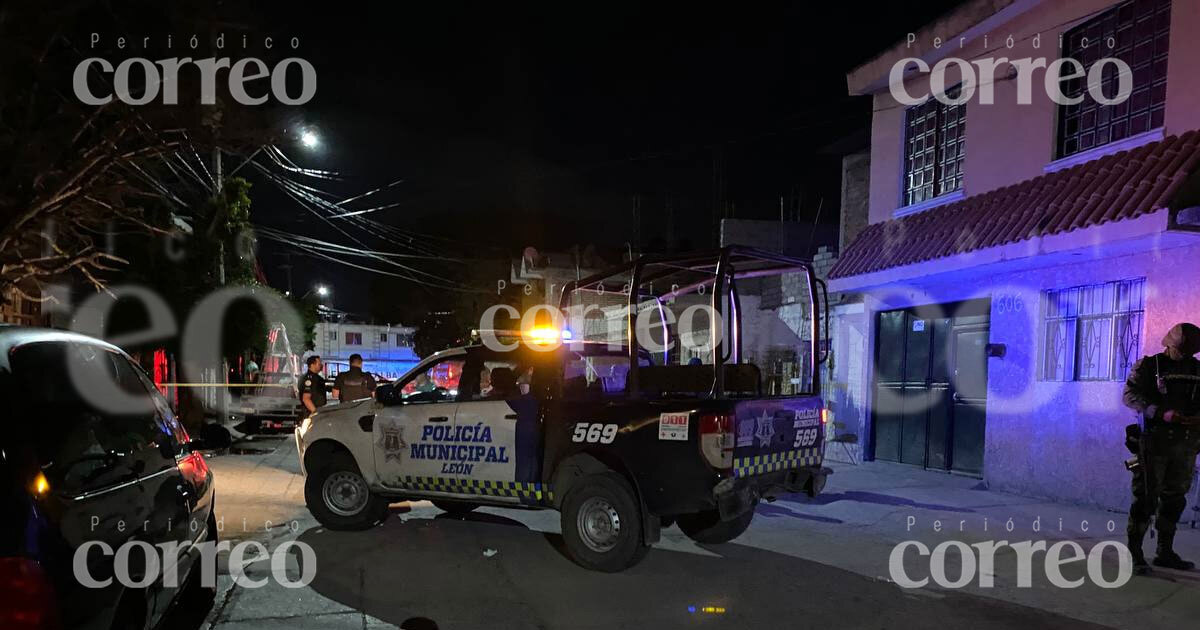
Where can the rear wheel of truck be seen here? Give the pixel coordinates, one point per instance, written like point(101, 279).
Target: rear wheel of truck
point(708, 528)
point(454, 508)
point(339, 498)
point(602, 524)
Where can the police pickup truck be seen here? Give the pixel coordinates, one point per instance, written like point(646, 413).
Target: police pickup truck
point(620, 441)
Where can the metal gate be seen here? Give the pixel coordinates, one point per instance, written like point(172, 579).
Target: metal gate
point(931, 386)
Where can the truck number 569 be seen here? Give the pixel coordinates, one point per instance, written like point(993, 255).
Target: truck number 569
point(594, 433)
point(805, 437)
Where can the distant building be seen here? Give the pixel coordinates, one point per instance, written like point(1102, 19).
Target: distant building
point(387, 350)
point(15, 309)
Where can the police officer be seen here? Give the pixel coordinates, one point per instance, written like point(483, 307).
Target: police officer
point(353, 384)
point(1165, 390)
point(312, 386)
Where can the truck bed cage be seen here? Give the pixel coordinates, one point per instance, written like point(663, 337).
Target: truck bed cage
point(685, 273)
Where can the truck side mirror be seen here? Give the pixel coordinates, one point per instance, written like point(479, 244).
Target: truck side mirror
point(386, 394)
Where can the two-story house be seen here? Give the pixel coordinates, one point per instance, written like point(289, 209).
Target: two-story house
point(1021, 256)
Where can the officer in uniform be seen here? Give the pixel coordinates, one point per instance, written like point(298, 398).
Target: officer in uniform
point(312, 387)
point(1165, 390)
point(353, 384)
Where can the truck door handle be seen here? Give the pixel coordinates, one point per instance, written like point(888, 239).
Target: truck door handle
point(439, 419)
point(511, 416)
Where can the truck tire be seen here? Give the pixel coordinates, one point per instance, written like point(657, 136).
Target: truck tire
point(602, 524)
point(707, 527)
point(454, 508)
point(339, 498)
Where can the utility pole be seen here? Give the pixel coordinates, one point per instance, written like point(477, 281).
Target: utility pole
point(218, 188)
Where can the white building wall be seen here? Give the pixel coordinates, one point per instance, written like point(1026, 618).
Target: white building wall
point(386, 350)
point(1058, 440)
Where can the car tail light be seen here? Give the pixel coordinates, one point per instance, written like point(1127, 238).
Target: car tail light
point(194, 468)
point(27, 599)
point(716, 440)
point(824, 415)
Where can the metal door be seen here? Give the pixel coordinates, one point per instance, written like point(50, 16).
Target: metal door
point(931, 386)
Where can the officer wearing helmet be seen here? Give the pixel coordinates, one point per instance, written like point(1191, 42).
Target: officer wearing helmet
point(1165, 390)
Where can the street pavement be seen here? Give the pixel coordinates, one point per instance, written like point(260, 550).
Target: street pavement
point(803, 563)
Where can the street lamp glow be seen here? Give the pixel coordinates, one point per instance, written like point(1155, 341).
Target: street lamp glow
point(309, 139)
point(322, 290)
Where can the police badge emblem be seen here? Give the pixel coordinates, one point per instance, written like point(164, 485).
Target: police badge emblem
point(391, 441)
point(764, 428)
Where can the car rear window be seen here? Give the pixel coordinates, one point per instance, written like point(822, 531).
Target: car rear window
point(63, 415)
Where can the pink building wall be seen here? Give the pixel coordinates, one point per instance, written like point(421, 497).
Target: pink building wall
point(1008, 142)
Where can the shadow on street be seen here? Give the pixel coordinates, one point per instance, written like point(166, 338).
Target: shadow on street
point(488, 571)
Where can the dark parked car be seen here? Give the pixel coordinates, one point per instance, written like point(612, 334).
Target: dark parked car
point(91, 456)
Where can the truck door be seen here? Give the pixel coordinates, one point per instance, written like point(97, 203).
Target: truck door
point(499, 426)
point(411, 436)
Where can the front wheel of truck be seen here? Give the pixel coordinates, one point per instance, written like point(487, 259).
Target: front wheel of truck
point(602, 524)
point(708, 528)
point(339, 498)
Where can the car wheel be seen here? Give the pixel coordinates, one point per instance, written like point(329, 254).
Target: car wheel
point(339, 497)
point(708, 528)
point(602, 524)
point(455, 508)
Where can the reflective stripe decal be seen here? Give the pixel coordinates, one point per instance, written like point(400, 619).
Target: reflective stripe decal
point(760, 464)
point(519, 489)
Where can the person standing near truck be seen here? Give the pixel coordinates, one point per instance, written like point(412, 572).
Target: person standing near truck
point(353, 384)
point(312, 387)
point(1165, 390)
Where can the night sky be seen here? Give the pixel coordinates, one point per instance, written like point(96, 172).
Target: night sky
point(547, 125)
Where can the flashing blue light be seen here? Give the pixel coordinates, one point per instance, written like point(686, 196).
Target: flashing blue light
point(566, 334)
point(691, 609)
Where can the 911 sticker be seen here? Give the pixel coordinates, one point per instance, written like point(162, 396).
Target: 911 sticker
point(673, 426)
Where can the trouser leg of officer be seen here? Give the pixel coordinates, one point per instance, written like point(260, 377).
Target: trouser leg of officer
point(1179, 466)
point(1147, 481)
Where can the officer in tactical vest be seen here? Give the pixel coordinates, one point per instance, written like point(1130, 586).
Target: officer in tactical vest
point(312, 387)
point(1165, 390)
point(354, 383)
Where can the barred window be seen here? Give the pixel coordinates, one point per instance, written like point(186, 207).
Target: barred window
point(1136, 32)
point(934, 143)
point(1092, 333)
point(353, 339)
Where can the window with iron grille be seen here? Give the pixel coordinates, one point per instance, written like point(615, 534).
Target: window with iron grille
point(1092, 333)
point(934, 144)
point(353, 339)
point(1136, 32)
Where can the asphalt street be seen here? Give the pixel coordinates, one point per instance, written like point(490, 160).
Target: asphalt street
point(801, 565)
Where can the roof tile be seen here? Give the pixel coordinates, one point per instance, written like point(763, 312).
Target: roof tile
point(1115, 187)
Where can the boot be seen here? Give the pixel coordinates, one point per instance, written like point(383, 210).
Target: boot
point(1166, 557)
point(1136, 536)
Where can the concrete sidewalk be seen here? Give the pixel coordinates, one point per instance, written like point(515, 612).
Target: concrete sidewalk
point(868, 509)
